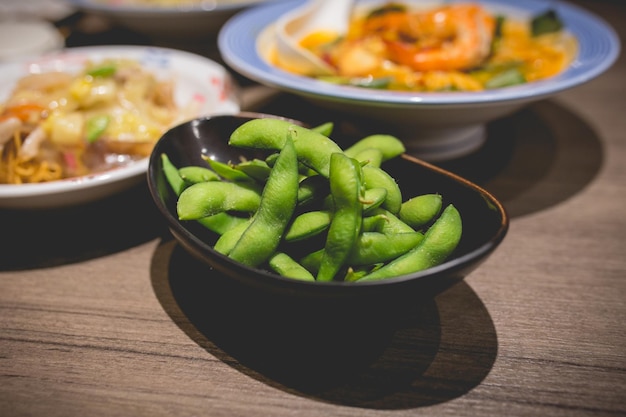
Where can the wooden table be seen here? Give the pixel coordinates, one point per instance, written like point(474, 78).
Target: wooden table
point(97, 319)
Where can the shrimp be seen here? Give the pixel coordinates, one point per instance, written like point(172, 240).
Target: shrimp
point(452, 37)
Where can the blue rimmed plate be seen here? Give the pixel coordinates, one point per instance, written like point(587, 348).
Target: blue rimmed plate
point(450, 124)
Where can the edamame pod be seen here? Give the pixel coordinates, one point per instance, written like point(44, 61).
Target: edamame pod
point(286, 266)
point(255, 168)
point(373, 247)
point(308, 224)
point(229, 238)
point(377, 178)
point(172, 175)
point(313, 148)
point(207, 198)
point(390, 146)
point(371, 156)
point(373, 198)
point(325, 129)
point(195, 174)
point(222, 222)
point(439, 242)
point(278, 202)
point(420, 210)
point(345, 187)
point(228, 172)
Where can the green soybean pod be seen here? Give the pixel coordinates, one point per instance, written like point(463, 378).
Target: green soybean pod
point(325, 129)
point(207, 198)
point(172, 175)
point(227, 241)
point(228, 172)
point(377, 178)
point(312, 261)
point(255, 168)
point(313, 148)
point(374, 223)
point(194, 174)
point(307, 224)
point(278, 202)
point(420, 210)
point(392, 223)
point(373, 198)
point(286, 266)
point(389, 145)
point(222, 222)
point(345, 187)
point(439, 242)
point(373, 247)
point(371, 156)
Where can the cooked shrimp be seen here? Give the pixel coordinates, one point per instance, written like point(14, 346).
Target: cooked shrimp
point(452, 37)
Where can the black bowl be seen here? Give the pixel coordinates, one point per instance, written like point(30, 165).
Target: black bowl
point(485, 223)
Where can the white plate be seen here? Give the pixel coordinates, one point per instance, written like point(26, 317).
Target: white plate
point(197, 20)
point(196, 79)
point(447, 124)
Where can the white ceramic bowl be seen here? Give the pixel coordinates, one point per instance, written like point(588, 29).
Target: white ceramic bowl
point(434, 126)
point(195, 21)
point(196, 79)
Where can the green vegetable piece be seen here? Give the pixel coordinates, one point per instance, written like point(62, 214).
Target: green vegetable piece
point(420, 210)
point(221, 223)
point(207, 198)
point(172, 175)
point(345, 187)
point(95, 127)
point(325, 129)
point(358, 272)
point(313, 148)
point(278, 202)
point(373, 198)
point(507, 78)
point(230, 237)
point(392, 223)
point(390, 146)
point(194, 174)
point(106, 70)
point(255, 168)
point(548, 22)
point(307, 224)
point(377, 178)
point(312, 261)
point(370, 156)
point(227, 171)
point(372, 247)
point(375, 223)
point(286, 266)
point(439, 242)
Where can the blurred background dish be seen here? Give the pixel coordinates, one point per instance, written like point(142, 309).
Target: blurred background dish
point(167, 19)
point(434, 126)
point(196, 80)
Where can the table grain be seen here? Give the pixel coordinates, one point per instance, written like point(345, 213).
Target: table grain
point(102, 313)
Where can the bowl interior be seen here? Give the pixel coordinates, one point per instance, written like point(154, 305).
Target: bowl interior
point(484, 219)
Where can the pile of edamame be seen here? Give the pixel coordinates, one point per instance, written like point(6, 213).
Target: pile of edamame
point(313, 211)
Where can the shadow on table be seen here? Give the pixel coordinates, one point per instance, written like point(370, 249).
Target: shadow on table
point(43, 238)
point(438, 350)
point(533, 159)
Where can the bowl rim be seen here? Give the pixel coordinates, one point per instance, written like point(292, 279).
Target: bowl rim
point(253, 23)
point(137, 10)
point(453, 265)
